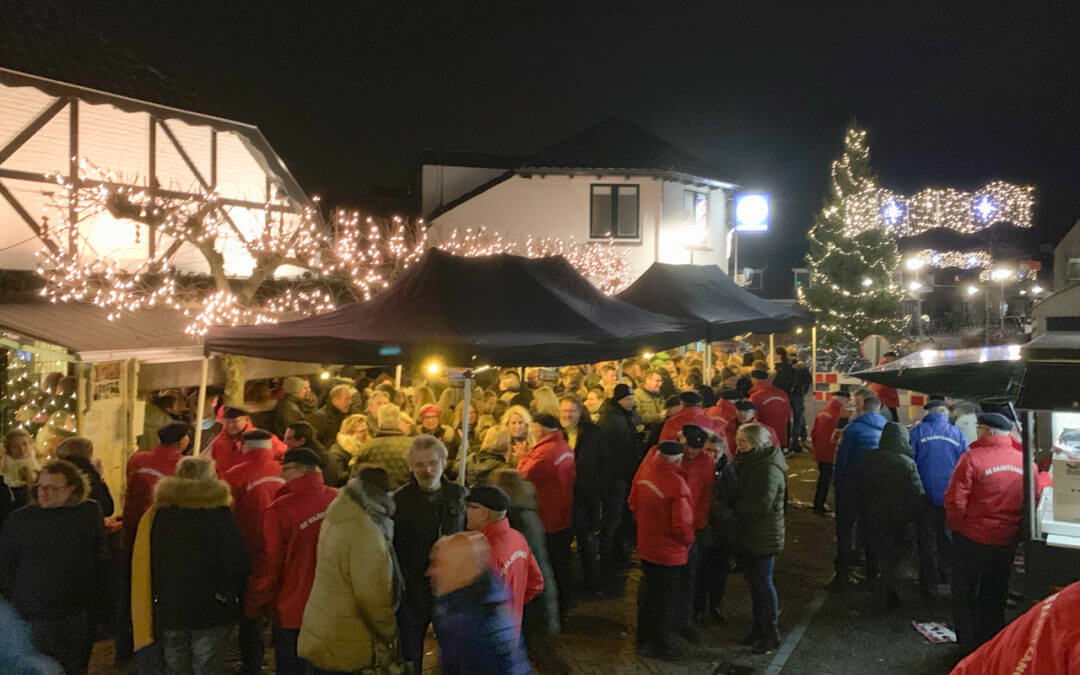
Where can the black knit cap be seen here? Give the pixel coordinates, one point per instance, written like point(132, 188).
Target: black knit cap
point(695, 436)
point(730, 395)
point(672, 401)
point(301, 456)
point(691, 398)
point(622, 390)
point(488, 496)
point(996, 421)
point(257, 435)
point(745, 404)
point(232, 413)
point(172, 432)
point(670, 448)
point(759, 375)
point(547, 421)
point(935, 403)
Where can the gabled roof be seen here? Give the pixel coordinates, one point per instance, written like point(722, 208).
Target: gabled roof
point(617, 145)
point(610, 146)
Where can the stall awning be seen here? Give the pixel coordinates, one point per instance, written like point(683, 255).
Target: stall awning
point(711, 301)
point(989, 374)
point(151, 335)
point(1052, 380)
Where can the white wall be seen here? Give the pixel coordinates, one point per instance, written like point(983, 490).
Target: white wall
point(556, 206)
point(443, 184)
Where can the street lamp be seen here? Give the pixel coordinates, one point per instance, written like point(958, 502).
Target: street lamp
point(1001, 275)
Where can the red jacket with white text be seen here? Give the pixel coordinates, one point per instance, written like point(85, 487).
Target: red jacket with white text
point(985, 498)
point(290, 535)
point(550, 467)
point(513, 560)
point(227, 451)
point(773, 409)
point(699, 474)
point(661, 504)
point(1045, 640)
point(144, 470)
point(254, 482)
point(824, 426)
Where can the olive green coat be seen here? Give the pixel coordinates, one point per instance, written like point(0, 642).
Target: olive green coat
point(759, 501)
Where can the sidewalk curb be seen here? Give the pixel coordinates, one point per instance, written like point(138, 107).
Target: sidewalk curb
point(787, 647)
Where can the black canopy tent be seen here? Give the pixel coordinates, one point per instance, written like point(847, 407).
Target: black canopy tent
point(713, 303)
point(984, 374)
point(501, 310)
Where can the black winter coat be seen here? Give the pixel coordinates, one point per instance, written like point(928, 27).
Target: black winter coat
point(198, 562)
point(889, 486)
point(587, 485)
point(722, 524)
point(51, 560)
point(420, 518)
point(620, 445)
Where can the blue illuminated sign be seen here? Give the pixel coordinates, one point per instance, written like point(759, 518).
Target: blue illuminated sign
point(751, 213)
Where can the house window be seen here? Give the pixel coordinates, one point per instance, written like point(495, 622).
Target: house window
point(1072, 269)
point(802, 279)
point(752, 278)
point(696, 209)
point(614, 212)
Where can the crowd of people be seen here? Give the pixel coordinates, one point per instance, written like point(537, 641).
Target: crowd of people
point(347, 513)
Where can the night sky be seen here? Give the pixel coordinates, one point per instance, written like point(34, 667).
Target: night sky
point(349, 92)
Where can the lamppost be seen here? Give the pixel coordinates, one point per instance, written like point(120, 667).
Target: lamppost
point(1000, 275)
point(913, 265)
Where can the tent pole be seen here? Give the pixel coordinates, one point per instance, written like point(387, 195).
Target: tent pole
point(708, 361)
point(202, 406)
point(813, 354)
point(397, 377)
point(465, 426)
point(772, 350)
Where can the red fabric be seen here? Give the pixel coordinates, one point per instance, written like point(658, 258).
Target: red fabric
point(290, 535)
point(255, 482)
point(773, 409)
point(661, 503)
point(821, 435)
point(227, 451)
point(724, 411)
point(144, 470)
point(689, 415)
point(985, 497)
point(551, 468)
point(734, 427)
point(512, 559)
point(700, 475)
point(1045, 640)
point(888, 396)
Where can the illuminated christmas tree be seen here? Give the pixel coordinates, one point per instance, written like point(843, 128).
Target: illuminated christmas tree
point(853, 288)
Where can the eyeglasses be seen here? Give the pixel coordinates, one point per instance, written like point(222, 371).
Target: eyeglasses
point(53, 488)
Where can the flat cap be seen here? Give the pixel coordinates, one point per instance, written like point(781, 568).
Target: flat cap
point(670, 448)
point(488, 496)
point(304, 456)
point(996, 421)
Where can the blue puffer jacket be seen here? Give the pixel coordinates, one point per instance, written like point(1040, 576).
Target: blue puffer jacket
point(861, 435)
point(937, 446)
point(476, 632)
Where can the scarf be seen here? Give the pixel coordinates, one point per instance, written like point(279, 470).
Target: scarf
point(142, 595)
point(380, 507)
point(349, 444)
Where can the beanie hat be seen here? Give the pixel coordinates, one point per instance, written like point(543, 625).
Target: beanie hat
point(731, 395)
point(695, 436)
point(672, 401)
point(257, 439)
point(996, 421)
point(759, 375)
point(691, 398)
point(670, 448)
point(843, 393)
point(172, 432)
point(547, 421)
point(745, 405)
point(622, 390)
point(232, 413)
point(292, 385)
point(301, 456)
point(488, 496)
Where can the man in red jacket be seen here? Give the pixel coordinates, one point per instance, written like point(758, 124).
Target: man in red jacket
point(983, 508)
point(661, 503)
point(551, 468)
point(290, 535)
point(511, 557)
point(227, 448)
point(888, 396)
point(146, 468)
point(1045, 640)
point(746, 413)
point(690, 413)
point(824, 442)
point(773, 406)
point(254, 481)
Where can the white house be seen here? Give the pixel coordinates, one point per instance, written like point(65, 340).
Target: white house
point(613, 180)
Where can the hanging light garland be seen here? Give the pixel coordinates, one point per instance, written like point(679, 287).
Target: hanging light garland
point(967, 260)
point(298, 266)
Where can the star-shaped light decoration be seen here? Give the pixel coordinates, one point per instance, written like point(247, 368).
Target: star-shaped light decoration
point(893, 212)
point(985, 207)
